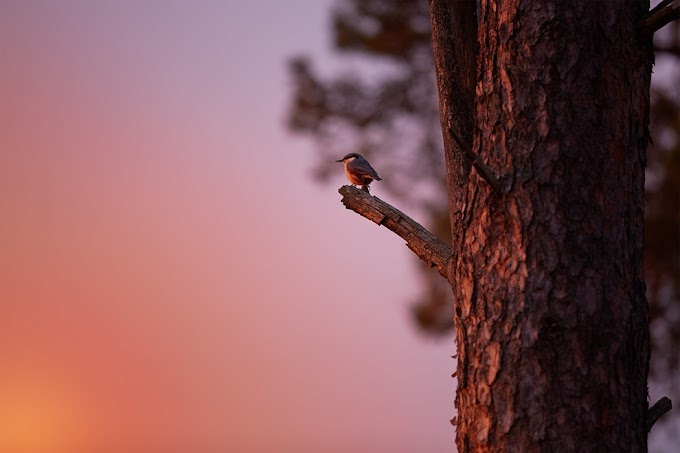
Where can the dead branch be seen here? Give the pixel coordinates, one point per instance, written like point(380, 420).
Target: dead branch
point(421, 242)
point(655, 412)
point(661, 15)
point(484, 171)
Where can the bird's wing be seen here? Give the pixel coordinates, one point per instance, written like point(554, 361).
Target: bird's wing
point(364, 168)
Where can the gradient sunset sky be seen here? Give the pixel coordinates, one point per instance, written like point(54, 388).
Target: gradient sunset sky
point(171, 277)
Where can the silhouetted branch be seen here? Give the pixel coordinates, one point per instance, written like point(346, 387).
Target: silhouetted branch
point(662, 4)
point(664, 13)
point(655, 412)
point(484, 171)
point(421, 242)
point(671, 50)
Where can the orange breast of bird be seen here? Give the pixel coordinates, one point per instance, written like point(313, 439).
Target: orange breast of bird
point(356, 178)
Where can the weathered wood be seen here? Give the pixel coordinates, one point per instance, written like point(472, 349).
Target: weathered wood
point(423, 243)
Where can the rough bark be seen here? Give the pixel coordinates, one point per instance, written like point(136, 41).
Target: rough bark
point(551, 317)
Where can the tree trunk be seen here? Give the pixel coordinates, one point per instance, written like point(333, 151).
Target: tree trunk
point(551, 316)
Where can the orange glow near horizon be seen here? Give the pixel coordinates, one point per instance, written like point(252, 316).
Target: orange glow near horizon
point(41, 412)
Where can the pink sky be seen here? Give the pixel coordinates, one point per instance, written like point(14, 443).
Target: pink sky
point(170, 275)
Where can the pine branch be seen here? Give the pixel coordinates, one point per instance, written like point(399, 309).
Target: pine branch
point(421, 242)
point(664, 13)
point(655, 412)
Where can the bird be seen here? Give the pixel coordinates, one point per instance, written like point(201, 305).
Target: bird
point(359, 171)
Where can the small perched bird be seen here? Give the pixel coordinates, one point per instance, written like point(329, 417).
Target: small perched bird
point(359, 171)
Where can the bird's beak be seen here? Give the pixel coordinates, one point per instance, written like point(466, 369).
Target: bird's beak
point(339, 160)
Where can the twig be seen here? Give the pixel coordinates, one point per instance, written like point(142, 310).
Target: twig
point(670, 50)
point(663, 14)
point(484, 171)
point(655, 412)
point(423, 243)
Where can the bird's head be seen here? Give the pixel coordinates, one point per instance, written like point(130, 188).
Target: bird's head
point(349, 157)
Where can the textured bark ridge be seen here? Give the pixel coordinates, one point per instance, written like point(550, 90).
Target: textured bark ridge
point(551, 317)
point(454, 35)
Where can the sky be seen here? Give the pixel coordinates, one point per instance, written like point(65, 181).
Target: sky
point(171, 276)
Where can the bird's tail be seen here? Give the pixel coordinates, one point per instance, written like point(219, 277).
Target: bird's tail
point(377, 178)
